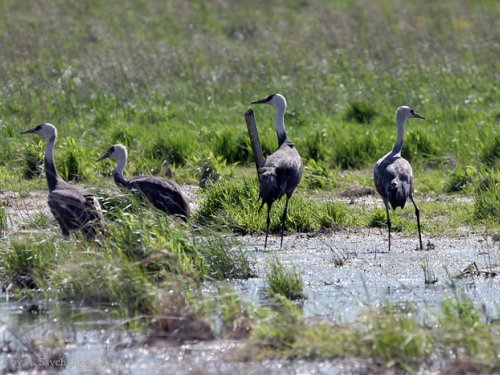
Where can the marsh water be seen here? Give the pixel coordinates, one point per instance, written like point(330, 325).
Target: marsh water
point(345, 273)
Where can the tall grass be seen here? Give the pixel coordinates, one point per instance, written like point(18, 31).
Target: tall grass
point(140, 255)
point(233, 204)
point(132, 79)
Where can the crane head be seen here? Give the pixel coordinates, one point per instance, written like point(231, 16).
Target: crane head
point(46, 130)
point(406, 112)
point(276, 100)
point(115, 152)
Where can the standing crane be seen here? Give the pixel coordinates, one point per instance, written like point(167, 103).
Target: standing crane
point(72, 207)
point(281, 172)
point(164, 194)
point(393, 174)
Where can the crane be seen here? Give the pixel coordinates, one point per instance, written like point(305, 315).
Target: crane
point(71, 206)
point(393, 174)
point(282, 171)
point(164, 194)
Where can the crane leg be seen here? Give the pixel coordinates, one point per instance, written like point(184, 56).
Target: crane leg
point(62, 225)
point(388, 223)
point(417, 213)
point(283, 219)
point(268, 221)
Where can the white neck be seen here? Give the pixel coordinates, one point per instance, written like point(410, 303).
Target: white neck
point(120, 165)
point(400, 124)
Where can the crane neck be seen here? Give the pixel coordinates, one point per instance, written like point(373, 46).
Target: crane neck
point(280, 124)
point(50, 167)
point(118, 171)
point(400, 125)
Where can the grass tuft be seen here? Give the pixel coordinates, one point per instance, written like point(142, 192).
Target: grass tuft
point(233, 147)
point(463, 332)
point(33, 160)
point(360, 112)
point(174, 150)
point(460, 178)
point(490, 155)
point(287, 283)
point(487, 199)
point(354, 151)
point(315, 146)
point(27, 259)
point(377, 219)
point(317, 176)
point(233, 204)
point(71, 167)
point(419, 145)
point(224, 259)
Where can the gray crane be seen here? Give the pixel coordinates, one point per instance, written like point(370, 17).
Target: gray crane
point(164, 194)
point(72, 207)
point(281, 172)
point(393, 174)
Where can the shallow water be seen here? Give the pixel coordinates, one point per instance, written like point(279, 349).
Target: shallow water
point(369, 278)
point(94, 342)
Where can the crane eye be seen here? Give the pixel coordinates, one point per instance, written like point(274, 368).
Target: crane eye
point(412, 112)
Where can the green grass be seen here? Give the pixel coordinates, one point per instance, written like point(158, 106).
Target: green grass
point(460, 179)
point(232, 204)
point(187, 106)
point(139, 254)
point(342, 89)
point(27, 260)
point(487, 198)
point(172, 80)
point(224, 259)
point(393, 337)
point(3, 217)
point(285, 282)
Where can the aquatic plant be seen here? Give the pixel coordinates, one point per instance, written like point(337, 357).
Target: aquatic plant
point(285, 282)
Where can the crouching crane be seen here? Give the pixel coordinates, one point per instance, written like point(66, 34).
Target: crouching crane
point(164, 194)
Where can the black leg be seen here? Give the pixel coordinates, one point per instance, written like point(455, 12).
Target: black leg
point(64, 230)
point(62, 225)
point(388, 223)
point(417, 213)
point(283, 219)
point(268, 221)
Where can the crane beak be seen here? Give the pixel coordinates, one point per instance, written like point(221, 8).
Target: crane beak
point(28, 131)
point(416, 115)
point(105, 156)
point(262, 101)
